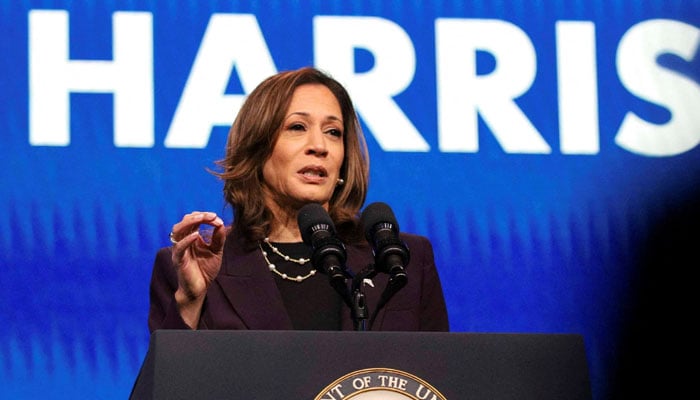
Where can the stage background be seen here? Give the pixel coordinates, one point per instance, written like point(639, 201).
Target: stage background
point(569, 205)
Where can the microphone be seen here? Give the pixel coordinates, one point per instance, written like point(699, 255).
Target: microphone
point(318, 231)
point(390, 252)
point(382, 232)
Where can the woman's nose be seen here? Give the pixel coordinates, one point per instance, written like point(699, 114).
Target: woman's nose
point(317, 142)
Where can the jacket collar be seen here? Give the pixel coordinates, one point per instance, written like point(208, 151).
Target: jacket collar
point(250, 287)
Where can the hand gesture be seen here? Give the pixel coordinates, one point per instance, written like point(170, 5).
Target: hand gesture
point(196, 254)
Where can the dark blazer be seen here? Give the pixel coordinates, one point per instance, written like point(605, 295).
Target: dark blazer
point(245, 296)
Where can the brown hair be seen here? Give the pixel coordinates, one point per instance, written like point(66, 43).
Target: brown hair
point(252, 138)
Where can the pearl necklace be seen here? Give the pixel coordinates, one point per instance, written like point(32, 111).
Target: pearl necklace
point(273, 267)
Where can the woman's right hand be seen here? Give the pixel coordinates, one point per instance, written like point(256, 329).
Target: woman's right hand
point(197, 260)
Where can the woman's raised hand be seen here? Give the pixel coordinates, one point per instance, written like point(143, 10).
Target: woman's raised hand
point(198, 242)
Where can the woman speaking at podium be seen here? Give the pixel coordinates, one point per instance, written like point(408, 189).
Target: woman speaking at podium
point(296, 141)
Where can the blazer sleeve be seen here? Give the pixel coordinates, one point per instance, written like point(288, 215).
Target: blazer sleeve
point(163, 312)
point(433, 316)
point(420, 305)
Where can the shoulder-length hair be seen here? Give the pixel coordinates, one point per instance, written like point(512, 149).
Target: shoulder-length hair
point(252, 138)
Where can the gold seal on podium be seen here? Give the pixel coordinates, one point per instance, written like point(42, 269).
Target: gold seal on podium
point(379, 384)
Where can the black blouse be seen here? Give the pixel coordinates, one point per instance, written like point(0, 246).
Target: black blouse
point(312, 304)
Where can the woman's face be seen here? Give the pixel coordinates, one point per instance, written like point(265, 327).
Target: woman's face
point(304, 166)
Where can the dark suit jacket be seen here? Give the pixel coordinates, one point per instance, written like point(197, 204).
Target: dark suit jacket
point(245, 296)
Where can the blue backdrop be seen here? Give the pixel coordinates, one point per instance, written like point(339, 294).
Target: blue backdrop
point(544, 147)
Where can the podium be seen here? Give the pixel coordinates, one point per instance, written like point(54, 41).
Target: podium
point(326, 365)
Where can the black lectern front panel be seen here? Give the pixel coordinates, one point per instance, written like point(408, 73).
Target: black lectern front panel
point(342, 365)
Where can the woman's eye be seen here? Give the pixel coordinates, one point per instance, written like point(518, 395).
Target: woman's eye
point(296, 127)
point(335, 132)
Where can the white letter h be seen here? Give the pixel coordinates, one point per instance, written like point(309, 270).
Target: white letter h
point(52, 76)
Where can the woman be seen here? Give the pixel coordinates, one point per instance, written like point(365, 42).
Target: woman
point(295, 141)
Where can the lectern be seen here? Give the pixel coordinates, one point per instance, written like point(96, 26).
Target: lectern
point(362, 365)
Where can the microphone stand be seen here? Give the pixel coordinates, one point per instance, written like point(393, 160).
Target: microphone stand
point(358, 308)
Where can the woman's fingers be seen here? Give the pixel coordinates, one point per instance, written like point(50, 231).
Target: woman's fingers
point(182, 245)
point(190, 223)
point(217, 238)
point(188, 232)
point(185, 225)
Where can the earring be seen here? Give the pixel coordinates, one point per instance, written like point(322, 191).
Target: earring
point(341, 182)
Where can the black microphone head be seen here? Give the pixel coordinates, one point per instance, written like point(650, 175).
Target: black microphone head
point(377, 213)
point(329, 256)
point(311, 217)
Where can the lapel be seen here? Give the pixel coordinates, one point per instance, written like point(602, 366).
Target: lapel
point(250, 288)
